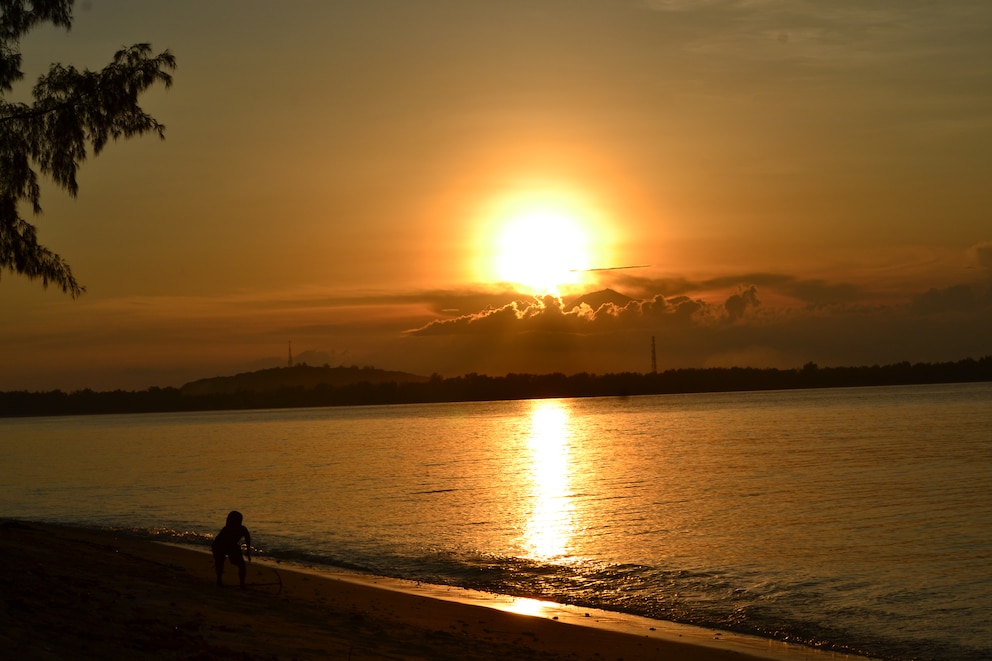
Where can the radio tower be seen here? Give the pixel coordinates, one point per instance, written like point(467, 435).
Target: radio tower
point(289, 363)
point(654, 358)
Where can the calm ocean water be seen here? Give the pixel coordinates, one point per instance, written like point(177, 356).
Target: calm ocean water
point(857, 519)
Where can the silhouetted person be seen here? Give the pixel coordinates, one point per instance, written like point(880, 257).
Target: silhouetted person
point(227, 543)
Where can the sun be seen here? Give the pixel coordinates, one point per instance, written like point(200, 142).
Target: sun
point(544, 242)
point(541, 249)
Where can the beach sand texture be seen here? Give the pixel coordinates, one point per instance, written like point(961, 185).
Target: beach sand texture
point(69, 592)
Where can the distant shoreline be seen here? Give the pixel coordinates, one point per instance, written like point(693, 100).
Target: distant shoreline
point(277, 388)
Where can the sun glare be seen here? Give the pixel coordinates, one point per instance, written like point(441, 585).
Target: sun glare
point(543, 242)
point(551, 523)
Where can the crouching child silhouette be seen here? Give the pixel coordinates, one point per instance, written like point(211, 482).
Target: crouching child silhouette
point(227, 544)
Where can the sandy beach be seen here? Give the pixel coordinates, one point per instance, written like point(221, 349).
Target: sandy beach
point(80, 593)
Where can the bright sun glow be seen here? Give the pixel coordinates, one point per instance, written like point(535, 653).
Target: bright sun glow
point(550, 526)
point(543, 242)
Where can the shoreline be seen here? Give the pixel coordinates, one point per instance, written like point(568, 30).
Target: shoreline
point(745, 646)
point(268, 389)
point(76, 591)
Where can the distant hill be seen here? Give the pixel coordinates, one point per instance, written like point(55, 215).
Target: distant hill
point(597, 299)
point(299, 376)
point(353, 386)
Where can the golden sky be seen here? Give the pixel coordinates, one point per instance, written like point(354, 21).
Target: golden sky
point(794, 180)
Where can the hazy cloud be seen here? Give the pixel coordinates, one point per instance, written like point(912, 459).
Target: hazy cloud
point(948, 299)
point(812, 44)
point(738, 304)
point(810, 292)
point(982, 253)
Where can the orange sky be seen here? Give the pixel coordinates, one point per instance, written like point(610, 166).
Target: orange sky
point(800, 181)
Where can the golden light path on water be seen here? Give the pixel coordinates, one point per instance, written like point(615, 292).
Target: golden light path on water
point(550, 525)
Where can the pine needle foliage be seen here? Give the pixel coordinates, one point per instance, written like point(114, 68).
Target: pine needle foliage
point(72, 114)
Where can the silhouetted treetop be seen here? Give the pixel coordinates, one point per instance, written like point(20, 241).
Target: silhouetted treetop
point(72, 112)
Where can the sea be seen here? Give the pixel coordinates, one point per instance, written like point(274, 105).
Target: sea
point(851, 519)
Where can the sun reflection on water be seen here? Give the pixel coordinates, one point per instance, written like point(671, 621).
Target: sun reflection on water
point(550, 525)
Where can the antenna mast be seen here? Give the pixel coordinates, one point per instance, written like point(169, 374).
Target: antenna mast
point(654, 358)
point(289, 363)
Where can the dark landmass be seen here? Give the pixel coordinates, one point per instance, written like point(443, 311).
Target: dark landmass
point(298, 376)
point(298, 386)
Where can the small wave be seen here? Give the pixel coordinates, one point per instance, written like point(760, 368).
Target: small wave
point(713, 600)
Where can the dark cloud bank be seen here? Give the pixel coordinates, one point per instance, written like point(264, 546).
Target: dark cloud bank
point(810, 320)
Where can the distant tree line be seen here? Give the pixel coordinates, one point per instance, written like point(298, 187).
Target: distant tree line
point(480, 387)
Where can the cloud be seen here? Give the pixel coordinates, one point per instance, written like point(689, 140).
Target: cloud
point(738, 304)
point(812, 44)
point(544, 314)
point(935, 301)
point(810, 292)
point(549, 314)
point(835, 324)
point(753, 319)
point(982, 253)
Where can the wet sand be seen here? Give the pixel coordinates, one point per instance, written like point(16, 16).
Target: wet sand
point(69, 592)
